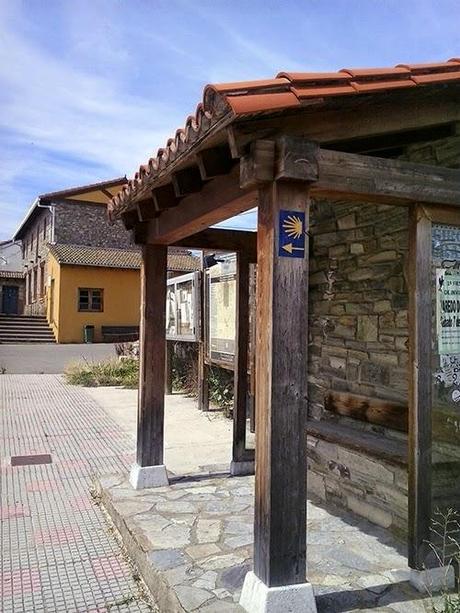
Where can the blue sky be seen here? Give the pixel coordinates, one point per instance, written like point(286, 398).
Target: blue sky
point(89, 89)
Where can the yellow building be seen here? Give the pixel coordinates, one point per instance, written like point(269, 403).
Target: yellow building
point(100, 287)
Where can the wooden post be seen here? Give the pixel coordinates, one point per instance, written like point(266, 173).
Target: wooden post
point(242, 458)
point(150, 416)
point(203, 368)
point(203, 385)
point(420, 381)
point(168, 368)
point(281, 405)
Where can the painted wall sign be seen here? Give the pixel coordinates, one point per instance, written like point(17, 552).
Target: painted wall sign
point(292, 232)
point(448, 311)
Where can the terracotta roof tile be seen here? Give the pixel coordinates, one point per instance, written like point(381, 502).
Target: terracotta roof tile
point(376, 86)
point(324, 90)
point(314, 77)
point(425, 79)
point(224, 102)
point(11, 274)
point(105, 257)
point(359, 73)
point(262, 102)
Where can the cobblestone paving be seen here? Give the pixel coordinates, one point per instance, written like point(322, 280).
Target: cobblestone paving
point(57, 553)
point(198, 535)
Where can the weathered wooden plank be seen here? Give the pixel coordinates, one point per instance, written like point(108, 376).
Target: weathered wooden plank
point(241, 358)
point(219, 199)
point(150, 418)
point(373, 410)
point(281, 353)
point(217, 239)
point(350, 176)
point(420, 382)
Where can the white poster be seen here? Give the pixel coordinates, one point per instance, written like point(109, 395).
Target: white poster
point(448, 311)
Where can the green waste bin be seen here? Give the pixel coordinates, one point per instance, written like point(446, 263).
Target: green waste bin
point(88, 334)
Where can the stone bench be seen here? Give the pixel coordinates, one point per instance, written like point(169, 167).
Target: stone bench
point(357, 458)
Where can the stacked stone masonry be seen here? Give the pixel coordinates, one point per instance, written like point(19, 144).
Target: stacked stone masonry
point(359, 340)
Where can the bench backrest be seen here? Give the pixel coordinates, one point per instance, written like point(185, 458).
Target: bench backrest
point(372, 410)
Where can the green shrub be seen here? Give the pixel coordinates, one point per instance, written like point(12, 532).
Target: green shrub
point(109, 372)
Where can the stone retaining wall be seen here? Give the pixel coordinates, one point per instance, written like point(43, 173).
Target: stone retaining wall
point(371, 488)
point(358, 339)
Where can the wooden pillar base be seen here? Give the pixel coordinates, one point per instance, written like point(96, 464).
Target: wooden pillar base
point(142, 477)
point(256, 597)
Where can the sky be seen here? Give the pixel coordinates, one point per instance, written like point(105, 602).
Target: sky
point(90, 89)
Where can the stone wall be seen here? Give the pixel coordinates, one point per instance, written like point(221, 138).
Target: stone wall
point(34, 248)
point(358, 292)
point(358, 341)
point(87, 224)
point(358, 301)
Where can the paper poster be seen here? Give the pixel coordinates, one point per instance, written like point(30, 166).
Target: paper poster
point(448, 311)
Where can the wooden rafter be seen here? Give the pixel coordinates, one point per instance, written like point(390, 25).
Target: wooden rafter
point(218, 239)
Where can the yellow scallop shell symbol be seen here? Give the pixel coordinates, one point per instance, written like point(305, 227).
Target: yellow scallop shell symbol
point(293, 226)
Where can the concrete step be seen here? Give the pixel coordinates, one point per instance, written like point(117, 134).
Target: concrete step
point(44, 332)
point(25, 329)
point(36, 341)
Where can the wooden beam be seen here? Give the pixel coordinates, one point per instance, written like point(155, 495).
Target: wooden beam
point(186, 181)
point(164, 197)
point(219, 199)
point(258, 165)
point(215, 161)
point(296, 159)
point(168, 368)
point(449, 215)
point(150, 421)
point(240, 396)
point(403, 111)
point(217, 239)
point(281, 353)
point(420, 382)
point(350, 176)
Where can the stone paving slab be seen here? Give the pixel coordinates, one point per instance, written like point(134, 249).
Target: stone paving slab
point(193, 542)
point(57, 554)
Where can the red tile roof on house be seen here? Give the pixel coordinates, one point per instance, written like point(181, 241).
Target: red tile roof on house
point(11, 274)
point(71, 191)
point(289, 90)
point(107, 257)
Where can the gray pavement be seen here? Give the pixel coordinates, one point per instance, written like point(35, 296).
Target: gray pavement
point(195, 442)
point(58, 554)
point(49, 359)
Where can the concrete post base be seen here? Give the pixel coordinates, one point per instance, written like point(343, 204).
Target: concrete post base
point(256, 597)
point(141, 477)
point(242, 468)
point(433, 580)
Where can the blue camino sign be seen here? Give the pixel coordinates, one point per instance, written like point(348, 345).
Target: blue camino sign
point(291, 234)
